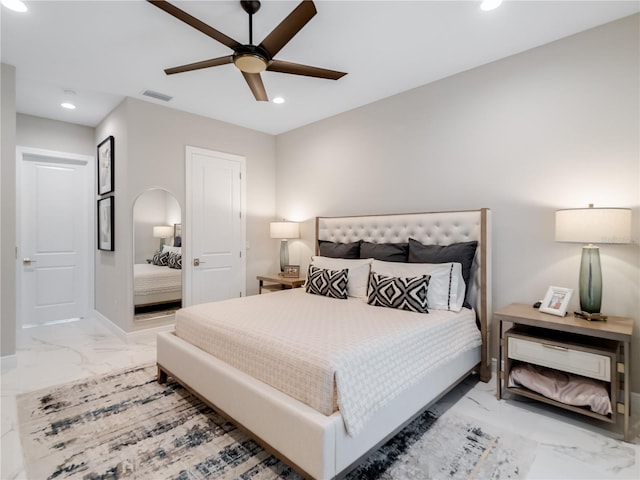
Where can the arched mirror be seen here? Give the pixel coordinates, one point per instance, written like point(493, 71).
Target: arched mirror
point(157, 254)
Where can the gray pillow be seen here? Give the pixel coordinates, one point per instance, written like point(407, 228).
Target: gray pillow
point(387, 252)
point(462, 252)
point(339, 250)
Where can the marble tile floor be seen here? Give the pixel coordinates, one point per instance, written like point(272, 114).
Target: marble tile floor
point(568, 446)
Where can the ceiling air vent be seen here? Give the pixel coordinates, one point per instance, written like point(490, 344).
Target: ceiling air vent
point(157, 95)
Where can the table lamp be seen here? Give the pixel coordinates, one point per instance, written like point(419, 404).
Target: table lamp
point(284, 231)
point(592, 225)
point(162, 232)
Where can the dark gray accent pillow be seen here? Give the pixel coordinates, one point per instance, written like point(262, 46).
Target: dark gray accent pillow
point(462, 252)
point(339, 250)
point(387, 252)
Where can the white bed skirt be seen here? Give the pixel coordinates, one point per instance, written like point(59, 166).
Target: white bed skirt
point(281, 421)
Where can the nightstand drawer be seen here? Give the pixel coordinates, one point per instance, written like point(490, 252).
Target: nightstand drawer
point(563, 358)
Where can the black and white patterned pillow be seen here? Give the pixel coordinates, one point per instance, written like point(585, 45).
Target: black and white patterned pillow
point(404, 293)
point(161, 259)
point(329, 283)
point(175, 260)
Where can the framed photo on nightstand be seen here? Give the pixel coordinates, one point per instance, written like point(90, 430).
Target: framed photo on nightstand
point(291, 271)
point(556, 301)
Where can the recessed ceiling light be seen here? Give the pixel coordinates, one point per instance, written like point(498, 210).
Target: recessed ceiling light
point(278, 100)
point(487, 5)
point(15, 5)
point(68, 106)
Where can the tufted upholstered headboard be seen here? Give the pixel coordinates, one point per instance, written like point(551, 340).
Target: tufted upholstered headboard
point(435, 228)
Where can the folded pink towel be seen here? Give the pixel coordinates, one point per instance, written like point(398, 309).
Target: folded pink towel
point(562, 386)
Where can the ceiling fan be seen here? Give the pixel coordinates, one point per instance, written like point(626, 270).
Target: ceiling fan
point(252, 59)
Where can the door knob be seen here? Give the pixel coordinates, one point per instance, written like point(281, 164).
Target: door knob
point(27, 261)
point(197, 262)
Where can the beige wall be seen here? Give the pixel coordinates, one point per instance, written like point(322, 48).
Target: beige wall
point(150, 142)
point(37, 132)
point(554, 127)
point(8, 211)
point(113, 289)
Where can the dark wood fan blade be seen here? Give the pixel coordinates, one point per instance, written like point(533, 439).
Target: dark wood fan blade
point(257, 87)
point(287, 29)
point(306, 70)
point(214, 62)
point(195, 23)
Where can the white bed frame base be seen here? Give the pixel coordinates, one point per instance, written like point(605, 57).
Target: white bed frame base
point(316, 445)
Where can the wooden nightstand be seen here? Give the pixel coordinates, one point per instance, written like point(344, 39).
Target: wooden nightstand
point(278, 282)
point(595, 349)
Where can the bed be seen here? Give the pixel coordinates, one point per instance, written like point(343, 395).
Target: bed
point(332, 424)
point(156, 284)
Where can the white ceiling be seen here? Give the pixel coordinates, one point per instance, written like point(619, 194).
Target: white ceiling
point(108, 50)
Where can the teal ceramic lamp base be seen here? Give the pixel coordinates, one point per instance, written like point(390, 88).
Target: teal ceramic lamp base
point(284, 254)
point(590, 280)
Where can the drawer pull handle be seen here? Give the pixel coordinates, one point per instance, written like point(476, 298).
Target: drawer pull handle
point(555, 347)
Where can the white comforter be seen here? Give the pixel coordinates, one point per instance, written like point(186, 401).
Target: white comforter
point(149, 279)
point(304, 345)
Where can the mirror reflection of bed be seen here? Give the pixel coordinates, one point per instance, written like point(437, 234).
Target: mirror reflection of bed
point(157, 250)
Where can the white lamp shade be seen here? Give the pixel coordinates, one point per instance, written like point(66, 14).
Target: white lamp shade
point(162, 231)
point(594, 225)
point(284, 230)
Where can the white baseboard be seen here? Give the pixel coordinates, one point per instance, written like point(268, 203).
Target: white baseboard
point(132, 337)
point(8, 362)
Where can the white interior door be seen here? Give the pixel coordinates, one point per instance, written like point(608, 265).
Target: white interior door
point(215, 226)
point(55, 235)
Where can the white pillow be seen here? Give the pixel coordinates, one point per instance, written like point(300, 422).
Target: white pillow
point(170, 249)
point(446, 285)
point(358, 277)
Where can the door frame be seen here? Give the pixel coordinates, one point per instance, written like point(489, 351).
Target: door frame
point(187, 255)
point(89, 162)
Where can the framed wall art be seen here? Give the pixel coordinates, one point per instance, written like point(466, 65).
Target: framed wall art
point(556, 301)
point(105, 166)
point(105, 224)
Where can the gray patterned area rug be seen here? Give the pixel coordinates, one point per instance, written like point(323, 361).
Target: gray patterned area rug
point(126, 425)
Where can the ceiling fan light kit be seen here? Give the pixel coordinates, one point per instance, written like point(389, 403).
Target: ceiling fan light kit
point(252, 59)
